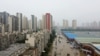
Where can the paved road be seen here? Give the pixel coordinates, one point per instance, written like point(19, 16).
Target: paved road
point(62, 48)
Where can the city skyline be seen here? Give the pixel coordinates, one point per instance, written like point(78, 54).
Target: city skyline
point(81, 10)
point(50, 28)
point(69, 23)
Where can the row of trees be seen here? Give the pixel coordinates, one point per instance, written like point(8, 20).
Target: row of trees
point(49, 44)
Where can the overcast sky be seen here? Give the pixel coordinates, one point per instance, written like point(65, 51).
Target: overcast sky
point(81, 10)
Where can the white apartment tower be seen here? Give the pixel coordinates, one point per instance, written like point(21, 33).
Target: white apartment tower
point(10, 20)
point(74, 24)
point(24, 23)
point(12, 23)
point(65, 24)
point(40, 24)
point(30, 24)
point(44, 22)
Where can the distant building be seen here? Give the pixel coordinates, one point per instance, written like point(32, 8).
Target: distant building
point(94, 25)
point(14, 50)
point(47, 21)
point(25, 23)
point(65, 24)
point(34, 23)
point(10, 20)
point(44, 22)
point(19, 15)
point(74, 24)
point(40, 24)
point(4, 17)
point(15, 23)
point(53, 24)
point(12, 23)
point(30, 24)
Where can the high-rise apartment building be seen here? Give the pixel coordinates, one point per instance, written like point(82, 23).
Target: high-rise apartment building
point(10, 20)
point(34, 23)
point(40, 24)
point(65, 24)
point(30, 24)
point(12, 23)
point(19, 15)
point(74, 24)
point(25, 23)
point(4, 17)
point(44, 22)
point(47, 21)
point(53, 24)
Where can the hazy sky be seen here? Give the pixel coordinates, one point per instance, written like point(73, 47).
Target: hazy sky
point(81, 10)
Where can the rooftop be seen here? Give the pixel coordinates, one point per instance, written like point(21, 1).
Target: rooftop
point(13, 48)
point(70, 35)
point(84, 36)
point(97, 46)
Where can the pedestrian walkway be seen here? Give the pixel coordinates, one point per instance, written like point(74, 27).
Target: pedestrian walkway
point(62, 48)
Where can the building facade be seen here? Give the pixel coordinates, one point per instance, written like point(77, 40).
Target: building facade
point(34, 23)
point(47, 21)
point(25, 23)
point(4, 19)
point(38, 41)
point(40, 24)
point(10, 20)
point(19, 15)
point(65, 24)
point(74, 24)
point(12, 23)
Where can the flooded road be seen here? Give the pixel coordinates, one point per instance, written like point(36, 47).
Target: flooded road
point(61, 47)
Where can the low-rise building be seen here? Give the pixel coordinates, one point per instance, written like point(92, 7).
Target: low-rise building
point(14, 50)
point(38, 40)
point(4, 43)
point(88, 42)
point(8, 39)
point(30, 52)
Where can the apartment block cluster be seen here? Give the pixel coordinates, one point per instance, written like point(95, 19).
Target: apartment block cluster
point(37, 41)
point(92, 25)
point(7, 40)
point(88, 25)
point(34, 45)
point(14, 28)
point(19, 23)
point(66, 24)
